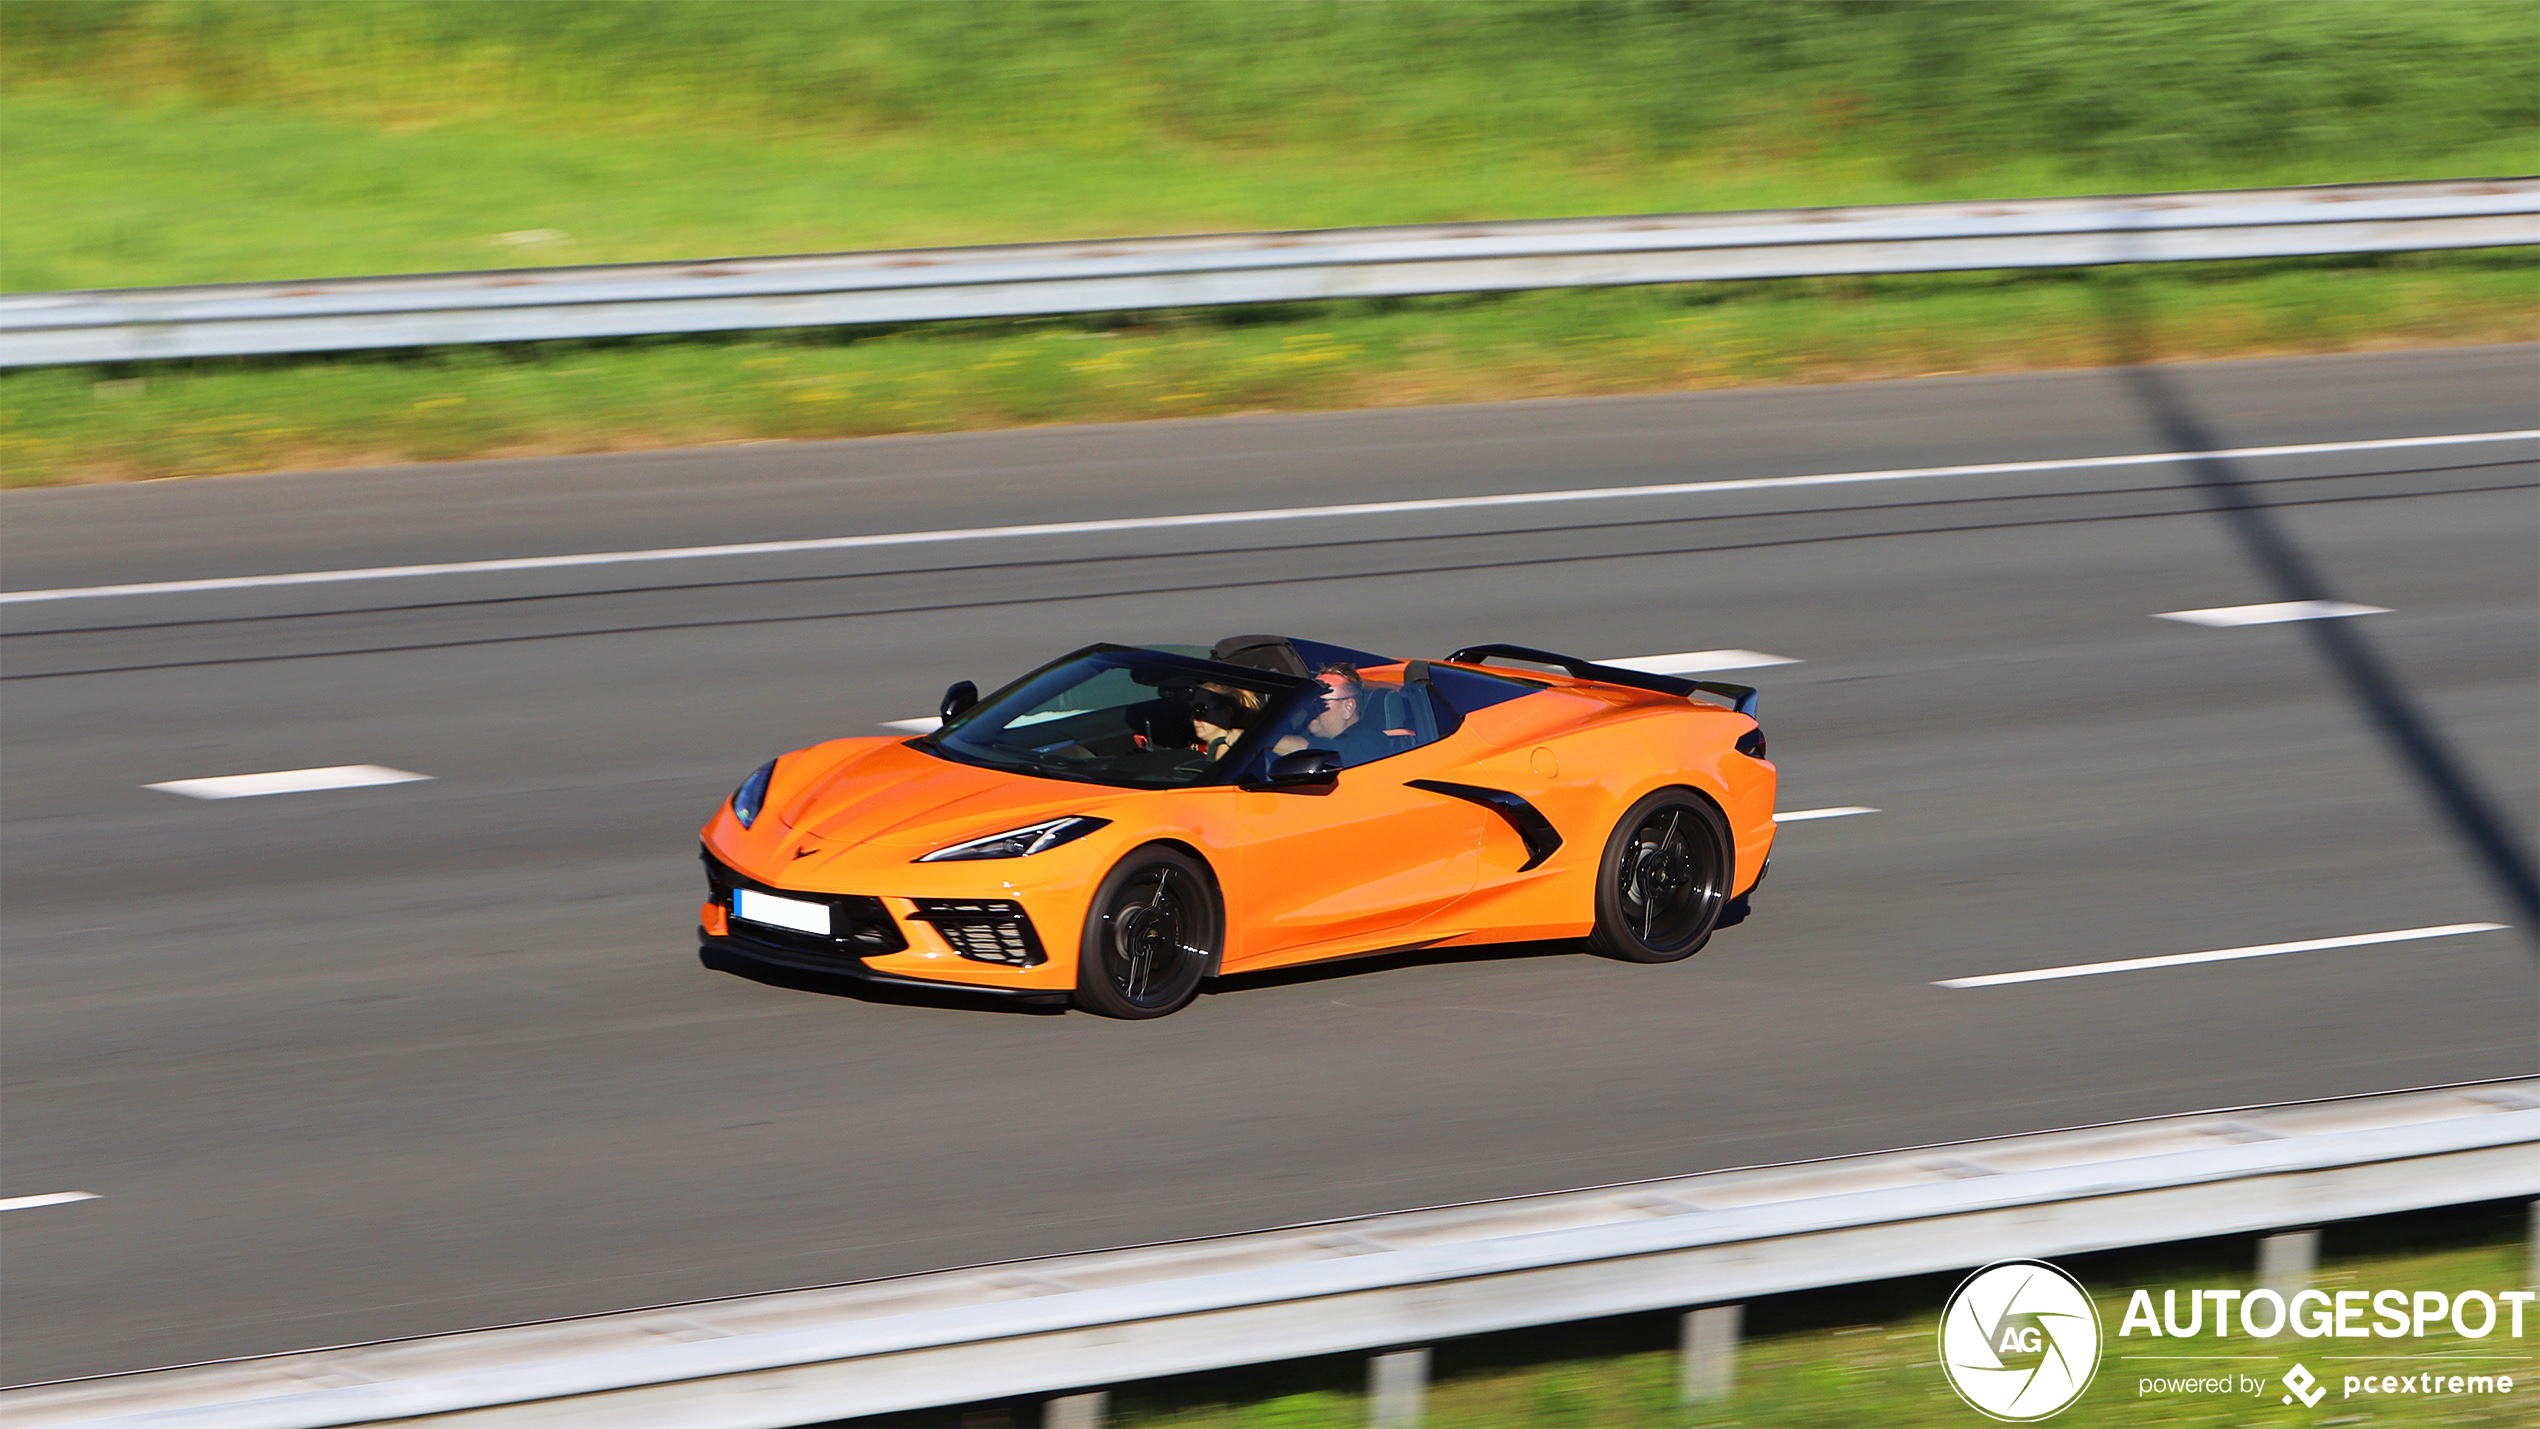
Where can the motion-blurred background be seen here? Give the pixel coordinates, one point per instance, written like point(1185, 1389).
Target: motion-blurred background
point(154, 142)
point(414, 1058)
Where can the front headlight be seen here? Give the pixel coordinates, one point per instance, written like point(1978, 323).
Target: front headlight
point(1019, 843)
point(752, 795)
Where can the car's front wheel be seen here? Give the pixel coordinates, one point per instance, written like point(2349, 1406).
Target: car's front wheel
point(1664, 880)
point(1150, 936)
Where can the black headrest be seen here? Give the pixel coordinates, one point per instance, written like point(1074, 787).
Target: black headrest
point(1200, 702)
point(1259, 652)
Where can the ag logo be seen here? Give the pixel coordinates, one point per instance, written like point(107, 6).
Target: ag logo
point(2019, 1340)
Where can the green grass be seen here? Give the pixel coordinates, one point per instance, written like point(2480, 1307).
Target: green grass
point(1866, 1356)
point(106, 192)
point(147, 142)
point(209, 417)
point(2136, 87)
point(171, 141)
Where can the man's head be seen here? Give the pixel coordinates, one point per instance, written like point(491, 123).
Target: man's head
point(1343, 696)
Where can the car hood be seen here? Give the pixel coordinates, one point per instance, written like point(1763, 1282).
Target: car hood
point(888, 794)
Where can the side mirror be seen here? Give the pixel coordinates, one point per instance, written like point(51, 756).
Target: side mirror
point(959, 697)
point(1305, 769)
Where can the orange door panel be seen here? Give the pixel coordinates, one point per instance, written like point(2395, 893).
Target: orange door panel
point(1361, 859)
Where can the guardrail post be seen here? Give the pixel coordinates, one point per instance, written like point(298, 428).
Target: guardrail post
point(2286, 1261)
point(1397, 1389)
point(1710, 1353)
point(1077, 1411)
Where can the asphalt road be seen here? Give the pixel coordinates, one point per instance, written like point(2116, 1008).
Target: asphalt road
point(389, 1061)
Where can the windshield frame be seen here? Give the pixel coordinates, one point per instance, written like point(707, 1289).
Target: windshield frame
point(1238, 756)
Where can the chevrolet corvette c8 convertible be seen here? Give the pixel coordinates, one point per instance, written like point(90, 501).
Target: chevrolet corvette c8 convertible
point(1126, 822)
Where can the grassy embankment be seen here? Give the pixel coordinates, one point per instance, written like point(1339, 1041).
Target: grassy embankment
point(1868, 1356)
point(155, 142)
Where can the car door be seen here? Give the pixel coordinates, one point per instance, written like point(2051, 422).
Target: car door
point(1348, 868)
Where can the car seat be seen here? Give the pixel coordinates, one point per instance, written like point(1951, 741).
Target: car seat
point(1391, 713)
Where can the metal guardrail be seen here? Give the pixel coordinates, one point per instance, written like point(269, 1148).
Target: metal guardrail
point(927, 285)
point(1063, 1323)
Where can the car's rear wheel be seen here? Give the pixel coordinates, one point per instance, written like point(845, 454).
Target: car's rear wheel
point(1150, 936)
point(1664, 880)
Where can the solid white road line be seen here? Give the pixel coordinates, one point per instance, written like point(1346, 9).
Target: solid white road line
point(2275, 613)
point(57, 1198)
point(1695, 662)
point(2263, 950)
point(1236, 518)
point(287, 781)
point(924, 724)
point(1801, 816)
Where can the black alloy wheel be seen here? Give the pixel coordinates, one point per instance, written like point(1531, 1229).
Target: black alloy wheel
point(1665, 879)
point(1150, 936)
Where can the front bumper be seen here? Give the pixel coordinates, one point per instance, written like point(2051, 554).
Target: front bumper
point(984, 944)
point(736, 946)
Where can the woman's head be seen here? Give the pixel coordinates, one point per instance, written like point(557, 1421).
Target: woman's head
point(1226, 706)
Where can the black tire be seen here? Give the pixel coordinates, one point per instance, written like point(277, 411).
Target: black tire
point(1151, 934)
point(1664, 881)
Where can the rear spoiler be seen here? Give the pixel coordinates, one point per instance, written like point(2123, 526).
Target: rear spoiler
point(1740, 697)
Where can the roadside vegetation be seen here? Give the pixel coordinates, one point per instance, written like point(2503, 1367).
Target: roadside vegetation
point(183, 141)
point(150, 142)
point(1867, 1355)
point(257, 414)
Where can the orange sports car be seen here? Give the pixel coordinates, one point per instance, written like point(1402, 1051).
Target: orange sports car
point(1125, 822)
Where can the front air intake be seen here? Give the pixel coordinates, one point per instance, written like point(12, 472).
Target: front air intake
point(985, 930)
point(859, 926)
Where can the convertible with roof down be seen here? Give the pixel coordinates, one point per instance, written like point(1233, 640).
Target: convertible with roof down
point(1126, 822)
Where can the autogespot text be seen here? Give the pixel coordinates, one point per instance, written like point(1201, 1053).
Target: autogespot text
point(2332, 1315)
point(2316, 1314)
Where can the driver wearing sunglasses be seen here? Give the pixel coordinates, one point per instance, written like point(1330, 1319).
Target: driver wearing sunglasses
point(1336, 723)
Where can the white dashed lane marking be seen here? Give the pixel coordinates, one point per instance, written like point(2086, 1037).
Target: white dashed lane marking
point(2275, 613)
point(1695, 662)
point(287, 781)
point(2262, 950)
point(1351, 510)
point(57, 1198)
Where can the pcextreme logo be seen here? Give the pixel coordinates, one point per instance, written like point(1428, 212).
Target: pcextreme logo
point(2019, 1340)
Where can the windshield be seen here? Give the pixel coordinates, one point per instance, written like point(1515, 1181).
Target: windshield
point(1141, 719)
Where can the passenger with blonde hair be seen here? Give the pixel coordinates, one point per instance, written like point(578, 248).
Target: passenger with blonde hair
point(1222, 720)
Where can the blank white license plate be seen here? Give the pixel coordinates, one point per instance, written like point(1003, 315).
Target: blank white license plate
point(794, 913)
